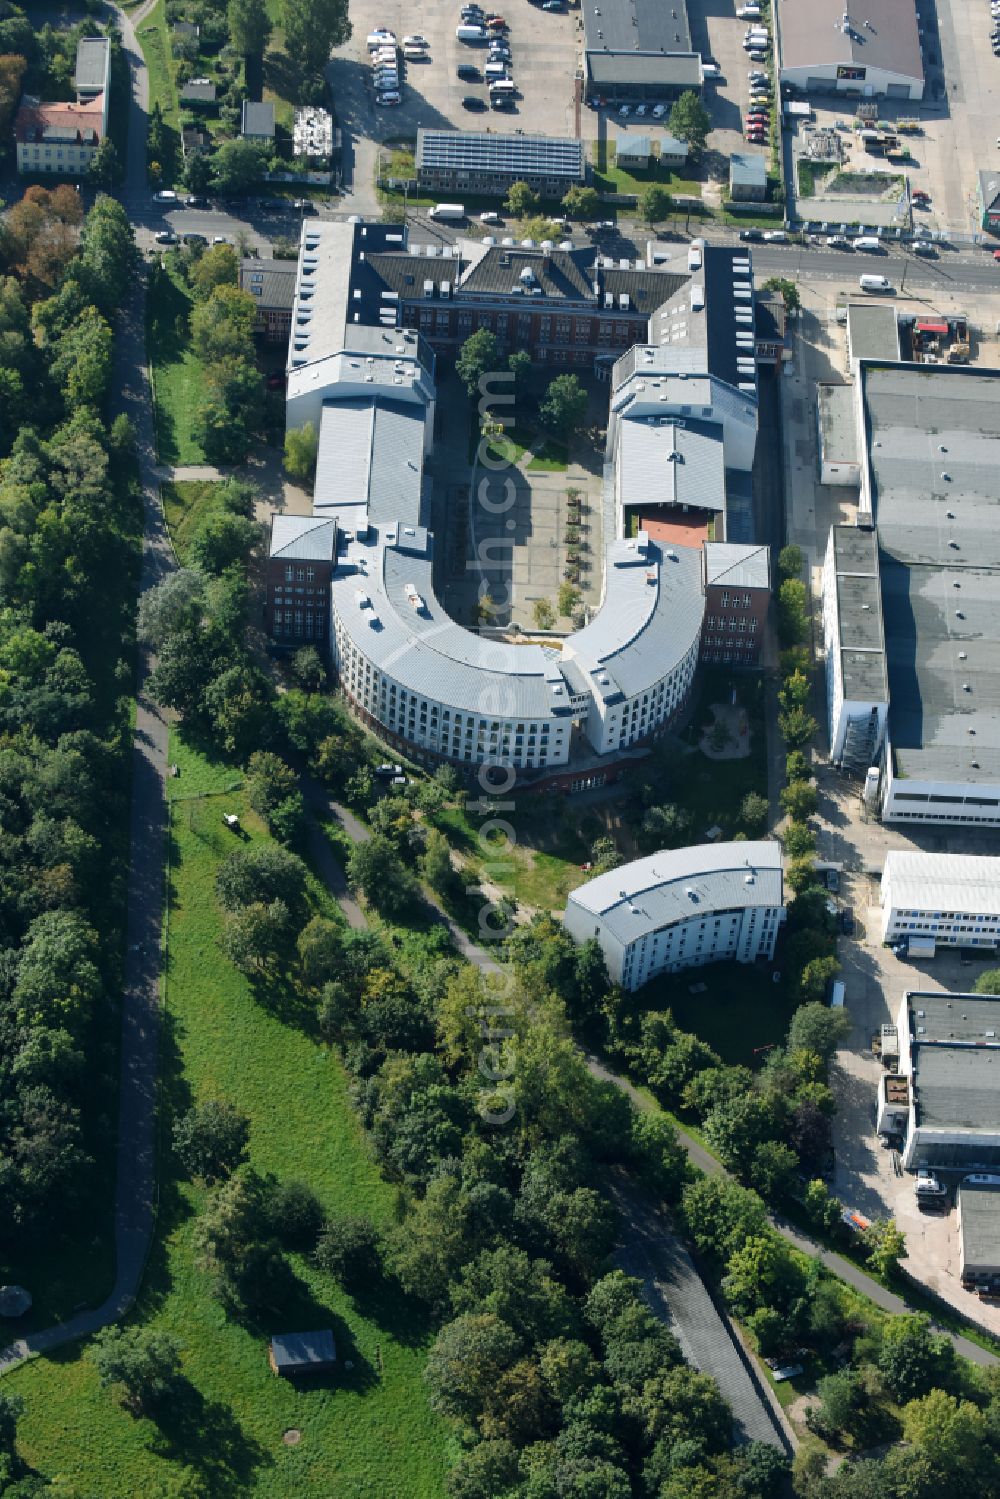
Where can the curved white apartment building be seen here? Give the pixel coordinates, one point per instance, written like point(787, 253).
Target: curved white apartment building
point(681, 908)
point(423, 681)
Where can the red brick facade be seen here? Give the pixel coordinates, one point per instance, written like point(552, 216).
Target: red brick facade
point(297, 605)
point(551, 334)
point(733, 631)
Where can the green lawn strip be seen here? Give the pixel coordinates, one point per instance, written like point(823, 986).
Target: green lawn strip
point(177, 374)
point(155, 43)
point(364, 1432)
point(185, 505)
point(544, 864)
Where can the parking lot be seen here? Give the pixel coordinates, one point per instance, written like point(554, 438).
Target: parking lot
point(718, 33)
point(544, 57)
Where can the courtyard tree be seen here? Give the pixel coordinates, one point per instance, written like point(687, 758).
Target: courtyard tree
point(797, 727)
point(568, 598)
point(211, 1139)
point(753, 812)
point(799, 799)
point(521, 199)
point(799, 840)
point(301, 448)
point(564, 406)
point(793, 618)
point(238, 166)
point(544, 614)
point(144, 1362)
point(790, 561)
point(249, 26)
point(690, 121)
point(582, 203)
point(885, 1246)
point(312, 29)
point(655, 204)
point(478, 356)
point(790, 296)
point(816, 977)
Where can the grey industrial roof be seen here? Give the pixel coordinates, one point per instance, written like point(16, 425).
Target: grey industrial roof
point(670, 145)
point(637, 26)
point(748, 169)
point(838, 422)
point(886, 38)
point(657, 69)
point(934, 454)
point(872, 330)
point(519, 155)
point(918, 881)
point(979, 1215)
point(737, 566)
point(300, 1350)
point(958, 1086)
point(715, 331)
point(936, 1016)
point(675, 884)
point(859, 615)
point(270, 282)
point(370, 455)
point(663, 462)
point(93, 59)
point(258, 119)
point(303, 538)
point(423, 648)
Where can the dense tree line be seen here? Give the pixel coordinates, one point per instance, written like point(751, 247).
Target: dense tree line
point(69, 522)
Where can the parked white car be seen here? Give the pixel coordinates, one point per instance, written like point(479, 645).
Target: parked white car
point(415, 41)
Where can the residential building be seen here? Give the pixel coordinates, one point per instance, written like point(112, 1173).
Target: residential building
point(737, 582)
point(948, 900)
point(826, 50)
point(198, 93)
point(61, 138)
point(942, 1101)
point(426, 684)
point(978, 1203)
point(988, 199)
point(837, 424)
point(300, 565)
point(857, 681)
point(468, 161)
point(313, 134)
point(681, 908)
point(673, 152)
point(633, 151)
point(257, 123)
point(271, 283)
point(636, 51)
point(747, 177)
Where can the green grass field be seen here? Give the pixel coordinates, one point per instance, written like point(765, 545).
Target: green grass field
point(155, 42)
point(365, 1432)
point(185, 505)
point(178, 378)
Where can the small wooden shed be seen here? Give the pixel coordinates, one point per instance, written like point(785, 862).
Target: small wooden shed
point(294, 1353)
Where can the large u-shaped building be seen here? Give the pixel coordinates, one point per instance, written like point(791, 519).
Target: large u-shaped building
point(680, 437)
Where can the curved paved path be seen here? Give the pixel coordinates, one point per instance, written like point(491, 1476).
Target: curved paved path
point(135, 1190)
point(844, 1269)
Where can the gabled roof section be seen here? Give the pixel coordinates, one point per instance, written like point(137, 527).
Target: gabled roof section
point(303, 538)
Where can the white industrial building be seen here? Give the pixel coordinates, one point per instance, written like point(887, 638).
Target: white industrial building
point(978, 1203)
point(942, 1101)
point(870, 53)
point(412, 673)
point(950, 900)
point(682, 907)
point(912, 631)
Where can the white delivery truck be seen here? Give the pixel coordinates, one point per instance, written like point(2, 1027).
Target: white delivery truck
point(471, 33)
point(869, 242)
point(837, 993)
point(875, 283)
point(450, 212)
point(695, 249)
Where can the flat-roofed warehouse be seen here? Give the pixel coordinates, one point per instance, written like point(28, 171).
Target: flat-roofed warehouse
point(870, 53)
point(471, 161)
point(638, 50)
point(979, 1230)
point(944, 1099)
point(929, 478)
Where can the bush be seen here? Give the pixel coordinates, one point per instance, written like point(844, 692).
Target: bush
point(349, 1250)
point(211, 1139)
point(296, 1214)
